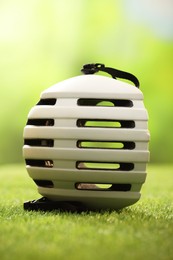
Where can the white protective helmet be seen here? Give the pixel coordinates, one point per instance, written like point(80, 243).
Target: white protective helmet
point(86, 141)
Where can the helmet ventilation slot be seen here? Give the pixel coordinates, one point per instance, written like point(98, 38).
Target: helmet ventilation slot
point(44, 183)
point(39, 142)
point(104, 102)
point(105, 123)
point(103, 187)
point(39, 163)
point(41, 122)
point(47, 102)
point(109, 166)
point(105, 144)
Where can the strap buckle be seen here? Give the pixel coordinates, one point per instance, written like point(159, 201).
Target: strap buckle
point(93, 68)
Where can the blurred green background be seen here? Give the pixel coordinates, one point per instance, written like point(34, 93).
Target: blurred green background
point(43, 42)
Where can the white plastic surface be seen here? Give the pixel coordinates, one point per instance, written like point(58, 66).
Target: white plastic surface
point(91, 86)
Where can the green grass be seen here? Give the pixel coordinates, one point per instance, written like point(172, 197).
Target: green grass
point(142, 231)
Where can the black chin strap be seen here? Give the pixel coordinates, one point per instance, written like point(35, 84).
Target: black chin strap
point(96, 67)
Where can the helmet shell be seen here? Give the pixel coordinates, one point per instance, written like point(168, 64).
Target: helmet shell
point(86, 140)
